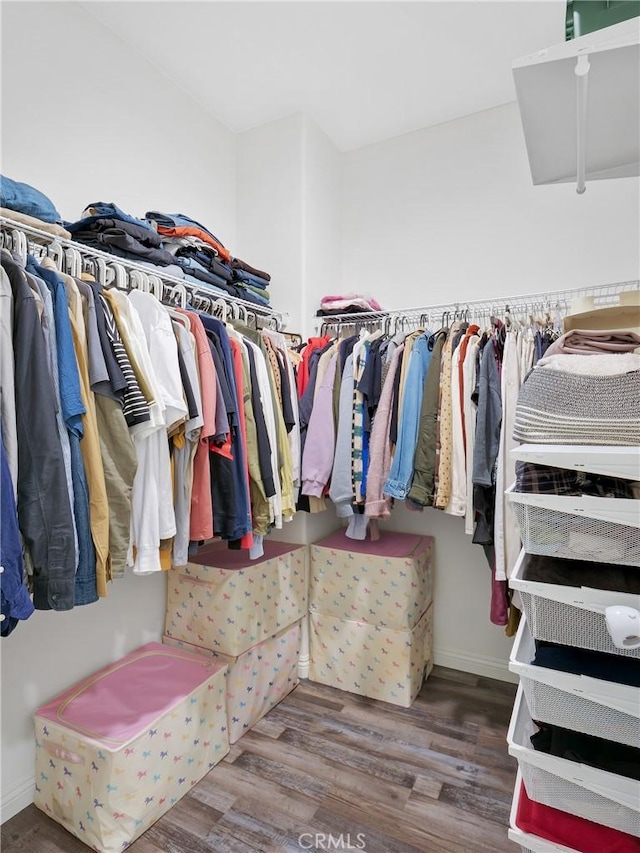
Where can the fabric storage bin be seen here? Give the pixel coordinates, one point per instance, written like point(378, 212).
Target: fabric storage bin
point(604, 530)
point(117, 750)
point(593, 794)
point(528, 842)
point(600, 708)
point(225, 602)
point(372, 661)
point(543, 829)
point(258, 679)
point(571, 616)
point(388, 582)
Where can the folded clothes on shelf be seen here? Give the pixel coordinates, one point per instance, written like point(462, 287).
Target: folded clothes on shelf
point(180, 225)
point(105, 210)
point(594, 364)
point(585, 749)
point(237, 264)
point(600, 665)
point(581, 573)
point(23, 198)
point(124, 239)
point(595, 342)
point(249, 278)
point(547, 480)
point(571, 831)
point(331, 304)
point(559, 407)
point(34, 222)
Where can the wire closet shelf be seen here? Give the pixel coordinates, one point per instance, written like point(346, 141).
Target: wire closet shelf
point(126, 274)
point(552, 301)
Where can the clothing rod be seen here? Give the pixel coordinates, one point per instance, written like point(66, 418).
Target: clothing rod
point(46, 237)
point(603, 294)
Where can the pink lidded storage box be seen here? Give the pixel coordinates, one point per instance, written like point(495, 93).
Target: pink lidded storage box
point(387, 582)
point(117, 750)
point(225, 602)
point(257, 679)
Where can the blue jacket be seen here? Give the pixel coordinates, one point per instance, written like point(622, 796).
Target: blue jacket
point(401, 474)
point(14, 598)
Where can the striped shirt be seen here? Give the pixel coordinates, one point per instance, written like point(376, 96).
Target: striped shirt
point(134, 404)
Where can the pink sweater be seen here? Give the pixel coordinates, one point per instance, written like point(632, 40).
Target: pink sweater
point(377, 506)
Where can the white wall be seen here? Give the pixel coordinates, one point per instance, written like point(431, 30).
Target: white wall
point(84, 120)
point(289, 218)
point(450, 213)
point(270, 208)
point(322, 221)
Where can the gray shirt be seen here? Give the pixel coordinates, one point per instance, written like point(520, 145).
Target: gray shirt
point(488, 419)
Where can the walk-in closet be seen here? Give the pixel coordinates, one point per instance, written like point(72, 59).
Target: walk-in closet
point(320, 426)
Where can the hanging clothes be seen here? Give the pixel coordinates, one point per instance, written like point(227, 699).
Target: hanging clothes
point(44, 509)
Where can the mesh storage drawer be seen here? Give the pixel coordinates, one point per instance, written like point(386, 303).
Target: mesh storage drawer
point(600, 708)
point(530, 843)
point(571, 616)
point(603, 530)
point(590, 793)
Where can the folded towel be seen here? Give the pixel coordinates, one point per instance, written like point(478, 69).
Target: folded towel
point(587, 342)
point(597, 364)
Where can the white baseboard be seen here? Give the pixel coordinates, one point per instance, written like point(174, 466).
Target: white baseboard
point(476, 664)
point(17, 797)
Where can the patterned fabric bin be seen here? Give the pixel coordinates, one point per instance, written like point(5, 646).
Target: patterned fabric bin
point(117, 750)
point(387, 582)
point(227, 603)
point(370, 660)
point(258, 679)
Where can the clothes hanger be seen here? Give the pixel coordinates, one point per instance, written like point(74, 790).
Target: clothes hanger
point(116, 276)
point(89, 267)
point(242, 313)
point(73, 262)
point(139, 281)
point(20, 244)
point(178, 295)
point(156, 286)
point(223, 306)
point(55, 251)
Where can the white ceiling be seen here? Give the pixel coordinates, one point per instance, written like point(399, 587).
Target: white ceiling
point(363, 71)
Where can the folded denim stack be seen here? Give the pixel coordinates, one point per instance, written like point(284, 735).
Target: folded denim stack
point(254, 282)
point(23, 203)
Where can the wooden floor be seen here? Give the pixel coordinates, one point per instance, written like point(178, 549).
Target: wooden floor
point(435, 778)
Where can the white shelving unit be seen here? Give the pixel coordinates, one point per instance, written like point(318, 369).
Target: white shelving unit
point(574, 616)
point(580, 107)
point(611, 461)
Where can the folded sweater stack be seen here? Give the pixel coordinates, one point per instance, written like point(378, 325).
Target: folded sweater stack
point(586, 392)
